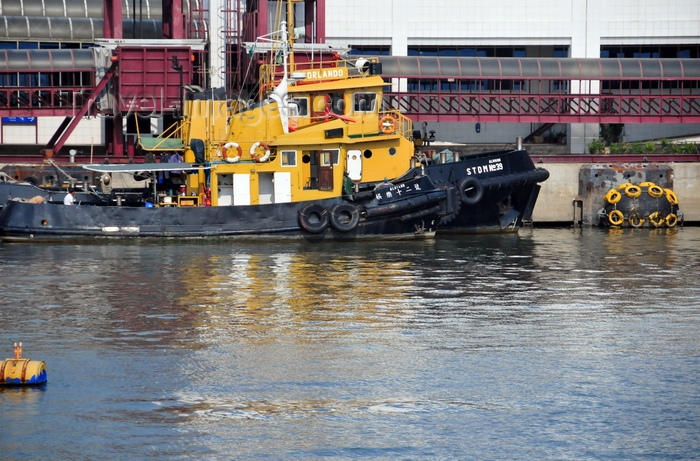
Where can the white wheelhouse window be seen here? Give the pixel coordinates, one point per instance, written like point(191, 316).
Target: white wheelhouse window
point(365, 102)
point(298, 107)
point(289, 157)
point(329, 157)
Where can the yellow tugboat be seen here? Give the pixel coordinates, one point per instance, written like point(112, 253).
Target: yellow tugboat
point(317, 157)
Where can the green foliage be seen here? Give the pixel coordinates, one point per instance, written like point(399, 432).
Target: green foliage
point(637, 148)
point(620, 148)
point(649, 147)
point(596, 146)
point(689, 148)
point(666, 145)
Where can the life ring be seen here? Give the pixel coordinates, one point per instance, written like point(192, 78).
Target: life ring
point(388, 124)
point(616, 217)
point(231, 145)
point(655, 191)
point(656, 219)
point(633, 191)
point(344, 217)
point(671, 220)
point(635, 220)
point(613, 196)
point(313, 218)
point(254, 152)
point(471, 190)
point(671, 197)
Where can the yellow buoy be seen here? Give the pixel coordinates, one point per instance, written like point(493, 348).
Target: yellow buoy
point(20, 371)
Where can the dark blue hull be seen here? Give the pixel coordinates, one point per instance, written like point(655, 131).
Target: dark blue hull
point(415, 215)
point(495, 191)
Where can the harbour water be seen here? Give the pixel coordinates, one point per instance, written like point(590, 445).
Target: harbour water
point(553, 344)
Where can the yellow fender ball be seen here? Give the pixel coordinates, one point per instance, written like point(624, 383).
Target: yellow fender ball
point(633, 191)
point(616, 217)
point(671, 220)
point(655, 191)
point(613, 196)
point(635, 220)
point(671, 197)
point(656, 219)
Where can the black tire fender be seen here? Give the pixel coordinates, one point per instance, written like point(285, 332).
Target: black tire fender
point(313, 218)
point(471, 190)
point(344, 217)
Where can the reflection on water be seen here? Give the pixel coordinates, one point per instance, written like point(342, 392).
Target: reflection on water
point(551, 344)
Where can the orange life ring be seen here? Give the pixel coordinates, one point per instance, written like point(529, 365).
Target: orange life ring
point(231, 145)
point(388, 124)
point(254, 152)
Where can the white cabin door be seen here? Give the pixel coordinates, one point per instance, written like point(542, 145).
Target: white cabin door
point(241, 189)
point(283, 187)
point(354, 165)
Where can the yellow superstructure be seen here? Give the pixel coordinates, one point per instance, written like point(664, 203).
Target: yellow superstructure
point(308, 142)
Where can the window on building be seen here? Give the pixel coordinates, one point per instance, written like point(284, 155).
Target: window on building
point(489, 51)
point(365, 50)
point(647, 51)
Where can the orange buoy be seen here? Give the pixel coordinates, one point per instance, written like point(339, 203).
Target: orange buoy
point(20, 371)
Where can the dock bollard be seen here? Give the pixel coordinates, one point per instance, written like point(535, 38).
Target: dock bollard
point(21, 371)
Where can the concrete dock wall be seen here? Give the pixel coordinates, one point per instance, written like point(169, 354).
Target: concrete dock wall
point(556, 200)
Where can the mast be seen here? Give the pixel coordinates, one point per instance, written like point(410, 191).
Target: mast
point(289, 31)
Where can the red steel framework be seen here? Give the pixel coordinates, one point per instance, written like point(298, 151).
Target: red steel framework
point(678, 102)
point(555, 107)
point(430, 91)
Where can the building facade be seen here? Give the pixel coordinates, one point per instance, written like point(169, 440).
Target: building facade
point(500, 28)
point(533, 29)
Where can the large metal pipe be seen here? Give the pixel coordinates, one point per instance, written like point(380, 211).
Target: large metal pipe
point(146, 9)
point(46, 60)
point(78, 29)
point(544, 68)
